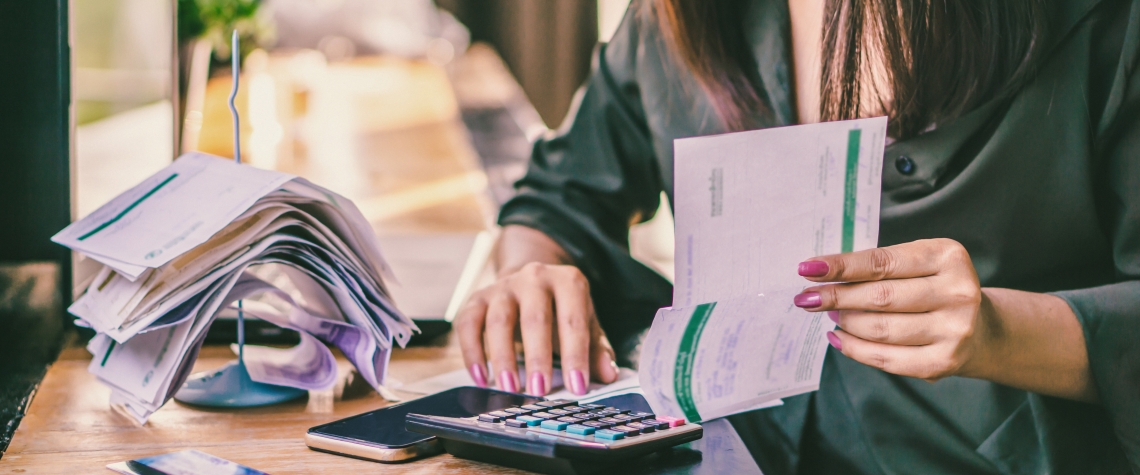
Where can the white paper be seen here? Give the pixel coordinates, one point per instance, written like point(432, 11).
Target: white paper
point(749, 207)
point(182, 247)
point(153, 223)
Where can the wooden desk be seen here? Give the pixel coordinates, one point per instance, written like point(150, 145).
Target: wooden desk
point(409, 166)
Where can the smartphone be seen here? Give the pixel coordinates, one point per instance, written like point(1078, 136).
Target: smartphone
point(380, 435)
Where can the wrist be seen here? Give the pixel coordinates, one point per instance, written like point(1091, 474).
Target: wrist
point(520, 246)
point(989, 341)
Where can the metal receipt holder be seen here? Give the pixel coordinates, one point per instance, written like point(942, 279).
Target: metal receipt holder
point(230, 385)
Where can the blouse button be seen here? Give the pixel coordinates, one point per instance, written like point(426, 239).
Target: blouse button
point(904, 165)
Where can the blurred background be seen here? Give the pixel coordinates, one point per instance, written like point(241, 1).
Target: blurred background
point(422, 112)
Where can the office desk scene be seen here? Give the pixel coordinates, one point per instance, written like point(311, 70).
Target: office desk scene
point(570, 237)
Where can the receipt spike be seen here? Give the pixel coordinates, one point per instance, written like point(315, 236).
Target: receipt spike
point(231, 385)
point(235, 58)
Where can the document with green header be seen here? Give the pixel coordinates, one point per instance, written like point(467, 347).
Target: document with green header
point(749, 207)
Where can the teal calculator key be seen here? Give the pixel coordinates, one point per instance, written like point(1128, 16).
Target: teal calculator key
point(608, 434)
point(530, 421)
point(579, 429)
point(553, 425)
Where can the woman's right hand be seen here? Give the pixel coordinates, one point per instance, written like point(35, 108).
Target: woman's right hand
point(549, 306)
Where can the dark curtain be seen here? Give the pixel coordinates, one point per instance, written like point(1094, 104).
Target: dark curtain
point(547, 44)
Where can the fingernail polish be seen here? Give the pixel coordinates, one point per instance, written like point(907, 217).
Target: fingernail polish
point(834, 316)
point(479, 375)
point(537, 385)
point(813, 268)
point(808, 300)
point(834, 340)
point(508, 382)
point(577, 382)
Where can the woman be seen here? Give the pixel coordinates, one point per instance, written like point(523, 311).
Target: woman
point(997, 329)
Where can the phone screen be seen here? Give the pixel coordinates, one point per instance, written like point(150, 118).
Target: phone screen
point(385, 427)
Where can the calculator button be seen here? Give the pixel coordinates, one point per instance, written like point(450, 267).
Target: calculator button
point(532, 407)
point(558, 412)
point(659, 425)
point(518, 411)
point(590, 407)
point(672, 421)
point(555, 404)
point(580, 429)
point(516, 423)
point(544, 415)
point(553, 425)
point(628, 431)
point(624, 417)
point(610, 421)
point(587, 416)
point(608, 434)
point(641, 427)
point(529, 420)
point(573, 409)
point(503, 414)
point(619, 411)
point(489, 418)
point(642, 415)
point(595, 424)
point(570, 420)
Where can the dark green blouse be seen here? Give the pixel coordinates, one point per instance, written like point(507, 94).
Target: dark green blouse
point(1042, 186)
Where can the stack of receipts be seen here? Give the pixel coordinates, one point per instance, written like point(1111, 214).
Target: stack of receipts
point(749, 207)
point(179, 249)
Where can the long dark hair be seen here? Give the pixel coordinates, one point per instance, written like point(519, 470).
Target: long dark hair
point(940, 58)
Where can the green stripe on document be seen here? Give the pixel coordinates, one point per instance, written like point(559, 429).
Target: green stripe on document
point(128, 209)
point(683, 371)
point(850, 188)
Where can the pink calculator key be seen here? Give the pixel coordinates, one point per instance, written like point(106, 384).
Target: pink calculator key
point(673, 421)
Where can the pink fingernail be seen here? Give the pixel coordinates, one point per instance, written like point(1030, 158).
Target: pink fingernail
point(834, 316)
point(577, 382)
point(508, 382)
point(479, 375)
point(813, 268)
point(834, 340)
point(808, 300)
point(537, 385)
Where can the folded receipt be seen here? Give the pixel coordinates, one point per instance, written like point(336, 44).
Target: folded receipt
point(748, 207)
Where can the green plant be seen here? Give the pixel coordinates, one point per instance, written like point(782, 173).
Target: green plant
point(215, 19)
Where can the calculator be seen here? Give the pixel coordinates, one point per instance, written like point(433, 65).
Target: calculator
point(557, 436)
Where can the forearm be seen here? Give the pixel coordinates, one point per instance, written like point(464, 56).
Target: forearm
point(1035, 343)
point(520, 245)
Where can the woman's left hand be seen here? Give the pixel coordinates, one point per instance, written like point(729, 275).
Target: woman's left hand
point(914, 309)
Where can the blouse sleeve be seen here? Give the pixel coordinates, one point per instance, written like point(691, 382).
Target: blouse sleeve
point(588, 182)
point(1110, 314)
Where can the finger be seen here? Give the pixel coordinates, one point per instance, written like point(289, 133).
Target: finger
point(603, 363)
point(909, 329)
point(907, 260)
point(903, 295)
point(470, 326)
point(573, 313)
point(502, 319)
point(925, 362)
point(536, 319)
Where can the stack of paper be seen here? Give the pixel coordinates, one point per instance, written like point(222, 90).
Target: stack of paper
point(749, 207)
point(187, 243)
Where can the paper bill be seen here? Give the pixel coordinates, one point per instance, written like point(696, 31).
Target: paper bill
point(717, 359)
point(749, 207)
point(152, 223)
